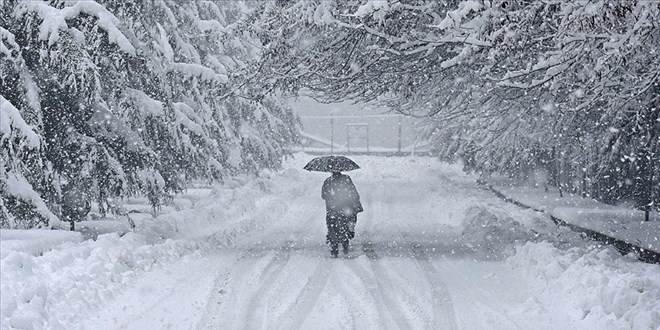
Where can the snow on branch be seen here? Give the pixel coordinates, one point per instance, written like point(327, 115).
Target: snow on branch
point(18, 186)
point(164, 44)
point(145, 103)
point(183, 114)
point(8, 37)
point(210, 25)
point(54, 20)
point(375, 8)
point(190, 70)
point(12, 123)
point(454, 17)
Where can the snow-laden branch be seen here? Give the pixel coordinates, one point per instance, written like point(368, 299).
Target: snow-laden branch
point(54, 21)
point(12, 125)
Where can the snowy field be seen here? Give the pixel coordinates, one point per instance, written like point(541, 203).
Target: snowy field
point(432, 251)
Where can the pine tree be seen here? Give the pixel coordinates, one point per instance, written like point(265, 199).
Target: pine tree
point(130, 98)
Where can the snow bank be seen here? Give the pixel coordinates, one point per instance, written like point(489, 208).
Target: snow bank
point(34, 242)
point(623, 224)
point(50, 278)
point(492, 234)
point(607, 290)
point(53, 290)
point(614, 221)
point(243, 204)
point(52, 284)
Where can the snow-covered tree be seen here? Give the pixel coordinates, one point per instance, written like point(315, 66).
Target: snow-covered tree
point(508, 84)
point(119, 98)
point(24, 169)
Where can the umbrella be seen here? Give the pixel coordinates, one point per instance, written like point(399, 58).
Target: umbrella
point(331, 164)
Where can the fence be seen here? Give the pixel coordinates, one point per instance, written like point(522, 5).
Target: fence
point(384, 133)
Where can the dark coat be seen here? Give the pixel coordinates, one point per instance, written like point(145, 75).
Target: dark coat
point(340, 195)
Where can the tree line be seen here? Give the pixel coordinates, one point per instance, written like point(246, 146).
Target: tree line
point(116, 98)
point(511, 87)
point(120, 98)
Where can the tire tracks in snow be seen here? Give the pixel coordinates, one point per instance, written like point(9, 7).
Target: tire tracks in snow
point(250, 312)
point(310, 293)
point(246, 311)
point(255, 313)
point(485, 301)
point(380, 286)
point(443, 315)
point(257, 308)
point(443, 310)
point(379, 283)
point(308, 297)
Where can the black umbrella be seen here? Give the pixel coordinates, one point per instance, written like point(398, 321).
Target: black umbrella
point(331, 164)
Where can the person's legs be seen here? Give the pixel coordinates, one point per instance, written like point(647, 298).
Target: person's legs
point(334, 248)
point(332, 222)
point(351, 226)
point(343, 231)
point(344, 246)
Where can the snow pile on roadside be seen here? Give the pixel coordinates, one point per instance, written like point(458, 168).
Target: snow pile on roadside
point(51, 284)
point(238, 207)
point(492, 234)
point(610, 290)
point(53, 290)
point(34, 242)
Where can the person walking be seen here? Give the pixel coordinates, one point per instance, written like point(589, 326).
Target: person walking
point(342, 201)
point(342, 204)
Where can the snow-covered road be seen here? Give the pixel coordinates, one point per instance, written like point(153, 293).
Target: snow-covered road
point(432, 251)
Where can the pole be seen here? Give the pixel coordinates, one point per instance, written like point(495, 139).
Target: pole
point(332, 133)
point(647, 210)
point(412, 152)
point(399, 145)
point(348, 139)
point(367, 139)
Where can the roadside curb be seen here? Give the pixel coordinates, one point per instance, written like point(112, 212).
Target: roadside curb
point(622, 246)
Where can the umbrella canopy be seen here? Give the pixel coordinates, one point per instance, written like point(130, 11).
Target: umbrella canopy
point(331, 164)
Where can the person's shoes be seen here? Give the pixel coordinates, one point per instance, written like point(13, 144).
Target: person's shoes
point(334, 254)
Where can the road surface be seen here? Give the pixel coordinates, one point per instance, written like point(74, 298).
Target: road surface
point(414, 263)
